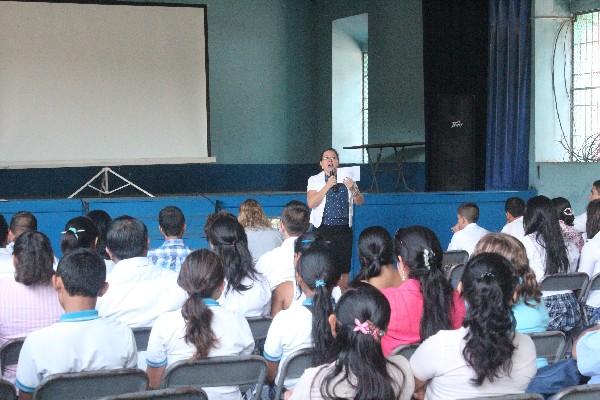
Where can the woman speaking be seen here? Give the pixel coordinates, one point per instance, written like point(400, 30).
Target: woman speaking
point(331, 205)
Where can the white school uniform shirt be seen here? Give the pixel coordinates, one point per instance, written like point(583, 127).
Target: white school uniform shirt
point(7, 268)
point(580, 222)
point(589, 263)
point(277, 265)
point(317, 182)
point(138, 292)
point(254, 302)
point(167, 345)
point(536, 254)
point(515, 228)
point(467, 238)
point(80, 341)
point(291, 330)
point(439, 360)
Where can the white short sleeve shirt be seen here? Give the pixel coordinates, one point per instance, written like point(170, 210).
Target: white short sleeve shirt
point(80, 341)
point(440, 361)
point(277, 265)
point(254, 302)
point(590, 264)
point(316, 182)
point(515, 229)
point(467, 238)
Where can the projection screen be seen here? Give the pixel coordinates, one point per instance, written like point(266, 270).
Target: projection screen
point(102, 84)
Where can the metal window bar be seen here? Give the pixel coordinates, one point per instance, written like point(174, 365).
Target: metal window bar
point(365, 103)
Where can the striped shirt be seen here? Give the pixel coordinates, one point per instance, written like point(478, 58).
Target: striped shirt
point(170, 254)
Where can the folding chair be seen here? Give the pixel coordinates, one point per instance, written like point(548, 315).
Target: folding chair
point(242, 371)
point(579, 392)
point(549, 345)
point(259, 327)
point(519, 396)
point(183, 393)
point(406, 350)
point(292, 368)
point(141, 337)
point(91, 384)
point(452, 258)
point(7, 390)
point(455, 274)
point(573, 281)
point(593, 284)
point(9, 353)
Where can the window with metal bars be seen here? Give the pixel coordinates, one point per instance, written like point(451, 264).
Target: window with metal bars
point(365, 103)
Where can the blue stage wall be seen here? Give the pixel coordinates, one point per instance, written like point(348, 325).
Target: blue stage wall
point(390, 210)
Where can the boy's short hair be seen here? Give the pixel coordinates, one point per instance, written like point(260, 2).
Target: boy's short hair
point(127, 237)
point(596, 184)
point(469, 211)
point(171, 220)
point(515, 206)
point(22, 221)
point(295, 217)
point(83, 272)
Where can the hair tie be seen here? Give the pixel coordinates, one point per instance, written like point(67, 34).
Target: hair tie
point(568, 212)
point(520, 280)
point(74, 231)
point(487, 274)
point(368, 328)
point(319, 283)
point(427, 255)
point(306, 241)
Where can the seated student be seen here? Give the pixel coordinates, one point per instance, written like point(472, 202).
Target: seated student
point(581, 220)
point(28, 301)
point(261, 235)
point(304, 324)
point(246, 290)
point(572, 238)
point(376, 256)
point(81, 232)
point(170, 255)
point(514, 207)
point(102, 220)
point(528, 308)
point(277, 265)
point(81, 340)
point(466, 231)
point(590, 259)
point(585, 352)
point(3, 233)
point(139, 291)
point(425, 302)
point(22, 221)
point(485, 357)
point(356, 367)
point(201, 328)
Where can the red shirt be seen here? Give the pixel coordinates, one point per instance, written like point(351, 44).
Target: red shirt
point(406, 302)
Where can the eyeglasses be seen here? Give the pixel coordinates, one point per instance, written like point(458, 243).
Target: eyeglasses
point(330, 158)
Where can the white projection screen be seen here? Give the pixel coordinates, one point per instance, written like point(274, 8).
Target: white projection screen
point(93, 84)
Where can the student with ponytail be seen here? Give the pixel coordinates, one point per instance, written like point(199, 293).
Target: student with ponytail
point(419, 257)
point(305, 324)
point(246, 291)
point(357, 368)
point(376, 256)
point(201, 328)
point(485, 357)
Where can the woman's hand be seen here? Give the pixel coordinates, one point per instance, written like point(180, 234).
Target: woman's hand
point(349, 183)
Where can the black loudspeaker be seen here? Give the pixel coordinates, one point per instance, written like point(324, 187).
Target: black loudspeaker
point(451, 145)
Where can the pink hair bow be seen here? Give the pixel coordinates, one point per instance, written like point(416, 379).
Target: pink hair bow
point(367, 328)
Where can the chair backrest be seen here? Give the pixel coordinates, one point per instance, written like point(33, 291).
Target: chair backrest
point(406, 350)
point(519, 396)
point(455, 274)
point(91, 384)
point(7, 390)
point(593, 284)
point(182, 393)
point(141, 337)
point(572, 281)
point(454, 257)
point(580, 392)
point(549, 345)
point(243, 371)
point(259, 327)
point(293, 367)
point(9, 353)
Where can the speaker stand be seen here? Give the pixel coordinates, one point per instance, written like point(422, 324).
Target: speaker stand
point(104, 188)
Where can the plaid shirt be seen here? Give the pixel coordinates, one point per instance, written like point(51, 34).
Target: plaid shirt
point(170, 254)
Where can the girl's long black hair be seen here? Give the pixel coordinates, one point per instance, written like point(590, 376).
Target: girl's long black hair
point(421, 251)
point(359, 354)
point(540, 218)
point(317, 268)
point(488, 287)
point(375, 249)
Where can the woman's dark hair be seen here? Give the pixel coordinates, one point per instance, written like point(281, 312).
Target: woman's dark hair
point(80, 232)
point(592, 225)
point(375, 249)
point(564, 211)
point(3, 231)
point(229, 241)
point(329, 149)
point(540, 218)
point(102, 220)
point(359, 354)
point(33, 257)
point(306, 240)
point(201, 276)
point(488, 287)
point(318, 269)
point(422, 253)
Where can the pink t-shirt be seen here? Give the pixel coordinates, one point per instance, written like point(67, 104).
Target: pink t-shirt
point(406, 302)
